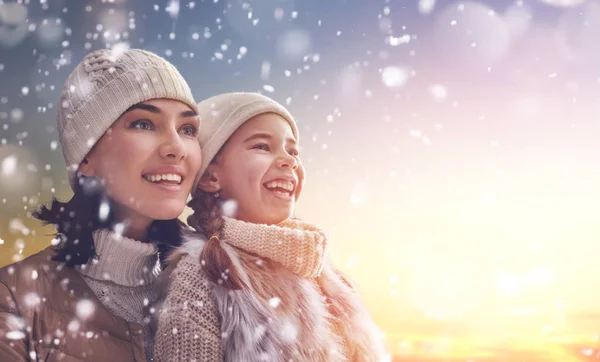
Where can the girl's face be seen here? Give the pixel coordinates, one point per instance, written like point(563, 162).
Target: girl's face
point(259, 168)
point(148, 160)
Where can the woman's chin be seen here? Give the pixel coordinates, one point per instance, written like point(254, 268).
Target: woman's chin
point(164, 212)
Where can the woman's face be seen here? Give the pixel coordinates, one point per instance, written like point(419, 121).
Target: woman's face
point(259, 168)
point(148, 160)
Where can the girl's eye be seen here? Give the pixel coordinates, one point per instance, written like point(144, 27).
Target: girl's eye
point(142, 124)
point(294, 152)
point(261, 146)
point(189, 130)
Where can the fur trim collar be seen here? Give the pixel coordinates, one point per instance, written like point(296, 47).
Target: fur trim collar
point(285, 316)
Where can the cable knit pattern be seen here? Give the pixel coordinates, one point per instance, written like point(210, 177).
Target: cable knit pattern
point(122, 260)
point(123, 278)
point(282, 316)
point(297, 245)
point(189, 322)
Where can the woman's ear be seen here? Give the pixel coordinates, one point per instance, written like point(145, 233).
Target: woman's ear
point(209, 182)
point(86, 168)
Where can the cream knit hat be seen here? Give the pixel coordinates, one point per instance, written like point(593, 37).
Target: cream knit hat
point(103, 86)
point(223, 114)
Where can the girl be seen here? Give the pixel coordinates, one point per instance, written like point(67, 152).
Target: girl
point(128, 129)
point(261, 288)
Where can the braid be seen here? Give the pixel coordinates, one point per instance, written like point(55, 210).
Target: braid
point(207, 214)
point(207, 218)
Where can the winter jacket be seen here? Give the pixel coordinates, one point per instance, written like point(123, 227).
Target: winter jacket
point(48, 313)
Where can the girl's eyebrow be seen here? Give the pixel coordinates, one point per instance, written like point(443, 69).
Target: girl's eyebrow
point(188, 114)
point(266, 136)
point(258, 135)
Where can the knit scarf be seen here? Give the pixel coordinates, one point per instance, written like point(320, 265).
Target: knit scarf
point(297, 305)
point(296, 245)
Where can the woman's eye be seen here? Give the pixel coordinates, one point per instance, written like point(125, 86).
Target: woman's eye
point(142, 124)
point(189, 130)
point(261, 146)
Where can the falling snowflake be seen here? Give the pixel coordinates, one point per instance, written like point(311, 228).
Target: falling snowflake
point(229, 208)
point(260, 331)
point(243, 51)
point(15, 335)
point(265, 70)
point(173, 8)
point(274, 302)
point(426, 6)
point(294, 44)
point(404, 39)
point(119, 229)
point(118, 49)
point(32, 300)
point(104, 211)
point(564, 3)
point(50, 32)
point(359, 193)
point(9, 164)
point(73, 326)
point(84, 309)
point(13, 24)
point(415, 134)
point(289, 332)
point(16, 115)
point(439, 92)
point(394, 77)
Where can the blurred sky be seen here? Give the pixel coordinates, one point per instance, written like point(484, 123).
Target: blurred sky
point(451, 147)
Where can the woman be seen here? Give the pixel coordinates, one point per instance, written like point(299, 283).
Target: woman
point(128, 128)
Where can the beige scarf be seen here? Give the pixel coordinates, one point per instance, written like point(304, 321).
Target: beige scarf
point(311, 311)
point(296, 245)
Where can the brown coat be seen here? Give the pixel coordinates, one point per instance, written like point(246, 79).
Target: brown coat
point(44, 294)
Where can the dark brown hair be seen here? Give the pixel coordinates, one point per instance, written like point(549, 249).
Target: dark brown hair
point(207, 218)
point(77, 219)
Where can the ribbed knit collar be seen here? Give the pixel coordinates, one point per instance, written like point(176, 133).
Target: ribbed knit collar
point(297, 245)
point(122, 260)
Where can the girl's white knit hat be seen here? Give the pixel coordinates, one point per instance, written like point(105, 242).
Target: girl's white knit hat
point(102, 87)
point(222, 115)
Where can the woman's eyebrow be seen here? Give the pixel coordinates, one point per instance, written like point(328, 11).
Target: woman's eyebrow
point(154, 109)
point(145, 107)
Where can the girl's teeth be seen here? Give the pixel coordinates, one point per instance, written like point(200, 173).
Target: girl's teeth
point(282, 194)
point(282, 184)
